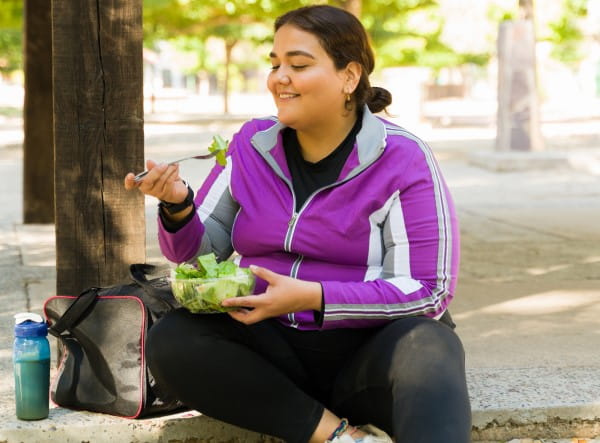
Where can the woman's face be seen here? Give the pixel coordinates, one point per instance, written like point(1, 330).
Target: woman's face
point(307, 89)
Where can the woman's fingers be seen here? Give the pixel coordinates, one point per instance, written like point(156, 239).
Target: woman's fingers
point(248, 310)
point(130, 182)
point(163, 185)
point(264, 273)
point(246, 301)
point(161, 182)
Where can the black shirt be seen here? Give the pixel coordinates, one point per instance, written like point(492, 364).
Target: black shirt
point(307, 177)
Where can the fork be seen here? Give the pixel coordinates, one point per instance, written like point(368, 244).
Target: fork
point(141, 175)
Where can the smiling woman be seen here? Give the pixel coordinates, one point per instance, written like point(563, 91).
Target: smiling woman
point(349, 228)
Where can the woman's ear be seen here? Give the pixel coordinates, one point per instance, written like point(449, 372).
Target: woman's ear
point(353, 71)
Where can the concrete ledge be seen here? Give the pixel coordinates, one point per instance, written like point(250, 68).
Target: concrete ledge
point(534, 402)
point(67, 426)
point(504, 161)
point(508, 404)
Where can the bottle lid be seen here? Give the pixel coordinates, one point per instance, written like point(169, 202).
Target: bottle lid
point(28, 324)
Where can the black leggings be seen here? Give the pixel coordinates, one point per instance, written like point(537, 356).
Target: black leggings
point(407, 378)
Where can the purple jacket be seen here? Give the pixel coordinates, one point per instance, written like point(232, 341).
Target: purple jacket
point(383, 240)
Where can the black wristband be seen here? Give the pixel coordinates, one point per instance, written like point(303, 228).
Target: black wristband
point(174, 208)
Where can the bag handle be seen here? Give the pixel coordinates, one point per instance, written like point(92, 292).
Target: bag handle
point(157, 293)
point(138, 272)
point(74, 312)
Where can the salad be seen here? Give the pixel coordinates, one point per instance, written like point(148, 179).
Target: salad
point(202, 288)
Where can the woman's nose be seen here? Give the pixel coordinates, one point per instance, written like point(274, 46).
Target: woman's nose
point(283, 78)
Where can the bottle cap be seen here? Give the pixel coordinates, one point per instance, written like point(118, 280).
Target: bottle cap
point(28, 324)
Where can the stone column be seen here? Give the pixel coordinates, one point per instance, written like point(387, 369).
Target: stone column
point(518, 123)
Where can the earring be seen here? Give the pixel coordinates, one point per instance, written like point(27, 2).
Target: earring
point(348, 97)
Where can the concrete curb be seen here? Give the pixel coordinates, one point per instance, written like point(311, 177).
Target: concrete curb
point(587, 161)
point(490, 425)
point(67, 426)
point(539, 402)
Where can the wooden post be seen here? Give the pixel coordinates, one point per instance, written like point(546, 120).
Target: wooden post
point(518, 125)
point(38, 147)
point(98, 134)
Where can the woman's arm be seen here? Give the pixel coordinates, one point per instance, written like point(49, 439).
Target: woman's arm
point(209, 228)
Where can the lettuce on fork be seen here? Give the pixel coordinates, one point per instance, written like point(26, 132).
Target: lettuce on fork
point(202, 288)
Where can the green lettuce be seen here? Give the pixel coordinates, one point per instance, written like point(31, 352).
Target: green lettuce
point(203, 288)
point(219, 145)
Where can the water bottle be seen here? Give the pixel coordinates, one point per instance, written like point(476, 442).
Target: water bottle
point(31, 357)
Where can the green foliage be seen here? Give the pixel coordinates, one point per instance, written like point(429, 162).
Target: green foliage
point(11, 35)
point(497, 14)
point(566, 35)
point(408, 33)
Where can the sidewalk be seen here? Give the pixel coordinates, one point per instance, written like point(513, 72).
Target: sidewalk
point(527, 305)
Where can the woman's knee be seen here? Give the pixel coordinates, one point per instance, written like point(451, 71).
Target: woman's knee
point(428, 336)
point(426, 350)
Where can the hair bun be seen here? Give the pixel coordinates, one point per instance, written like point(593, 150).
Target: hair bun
point(379, 99)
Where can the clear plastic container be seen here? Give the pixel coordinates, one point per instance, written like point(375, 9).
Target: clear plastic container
point(31, 358)
point(206, 294)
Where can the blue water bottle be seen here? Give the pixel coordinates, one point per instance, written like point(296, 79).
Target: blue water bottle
point(31, 357)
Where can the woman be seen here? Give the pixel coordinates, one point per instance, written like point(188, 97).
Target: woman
point(347, 224)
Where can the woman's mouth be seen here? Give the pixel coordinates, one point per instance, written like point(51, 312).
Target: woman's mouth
point(286, 96)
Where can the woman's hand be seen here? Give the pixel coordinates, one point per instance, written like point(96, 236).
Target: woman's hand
point(162, 182)
point(282, 296)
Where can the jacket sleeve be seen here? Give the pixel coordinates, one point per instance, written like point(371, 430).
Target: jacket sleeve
point(210, 229)
point(419, 258)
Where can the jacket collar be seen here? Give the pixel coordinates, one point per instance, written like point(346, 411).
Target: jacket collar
point(370, 143)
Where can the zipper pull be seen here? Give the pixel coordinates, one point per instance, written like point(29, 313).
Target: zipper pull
point(293, 219)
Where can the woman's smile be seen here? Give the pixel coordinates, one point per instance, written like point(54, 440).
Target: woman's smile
point(287, 95)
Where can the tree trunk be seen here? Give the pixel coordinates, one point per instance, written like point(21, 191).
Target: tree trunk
point(228, 50)
point(353, 6)
point(518, 123)
point(526, 9)
point(38, 149)
point(99, 137)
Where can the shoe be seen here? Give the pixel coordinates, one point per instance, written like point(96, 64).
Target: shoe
point(374, 435)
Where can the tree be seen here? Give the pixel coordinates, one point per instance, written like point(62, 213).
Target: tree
point(518, 124)
point(38, 146)
point(353, 6)
point(566, 34)
point(11, 35)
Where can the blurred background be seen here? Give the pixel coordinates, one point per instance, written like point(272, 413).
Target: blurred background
point(438, 57)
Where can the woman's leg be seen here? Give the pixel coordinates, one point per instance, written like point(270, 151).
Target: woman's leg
point(243, 375)
point(409, 380)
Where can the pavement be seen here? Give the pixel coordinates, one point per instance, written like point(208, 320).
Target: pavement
point(527, 305)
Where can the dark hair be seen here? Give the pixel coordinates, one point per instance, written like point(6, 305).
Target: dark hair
point(344, 38)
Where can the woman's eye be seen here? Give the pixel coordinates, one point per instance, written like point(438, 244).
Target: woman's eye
point(294, 67)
